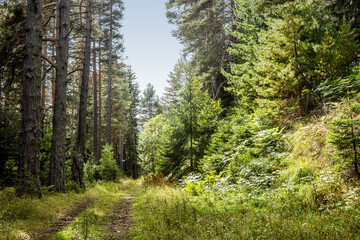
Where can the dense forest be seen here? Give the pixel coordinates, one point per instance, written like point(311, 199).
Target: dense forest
point(256, 137)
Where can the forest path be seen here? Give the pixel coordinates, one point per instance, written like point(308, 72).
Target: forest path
point(120, 221)
point(65, 219)
point(105, 212)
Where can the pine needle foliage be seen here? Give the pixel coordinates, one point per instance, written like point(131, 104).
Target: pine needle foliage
point(345, 135)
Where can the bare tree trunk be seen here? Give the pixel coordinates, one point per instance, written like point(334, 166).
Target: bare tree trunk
point(72, 132)
point(355, 153)
point(29, 164)
point(95, 112)
point(55, 36)
point(100, 106)
point(134, 157)
point(79, 149)
point(191, 133)
point(121, 150)
point(100, 103)
point(58, 139)
point(43, 85)
point(108, 127)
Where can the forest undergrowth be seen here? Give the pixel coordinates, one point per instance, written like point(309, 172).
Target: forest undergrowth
point(290, 184)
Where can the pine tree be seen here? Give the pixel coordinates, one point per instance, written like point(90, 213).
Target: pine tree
point(111, 18)
point(29, 166)
point(58, 140)
point(201, 29)
point(77, 166)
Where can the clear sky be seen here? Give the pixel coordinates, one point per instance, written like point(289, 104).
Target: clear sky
point(152, 51)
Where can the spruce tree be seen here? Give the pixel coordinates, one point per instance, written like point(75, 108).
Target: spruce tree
point(150, 104)
point(345, 135)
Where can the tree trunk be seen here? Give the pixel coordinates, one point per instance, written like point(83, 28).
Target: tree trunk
point(58, 139)
point(134, 157)
point(121, 150)
point(29, 164)
point(43, 85)
point(191, 133)
point(108, 128)
point(79, 149)
point(100, 106)
point(95, 112)
point(100, 103)
point(355, 153)
point(55, 34)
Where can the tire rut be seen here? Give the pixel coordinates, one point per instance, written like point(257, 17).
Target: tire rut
point(120, 221)
point(64, 220)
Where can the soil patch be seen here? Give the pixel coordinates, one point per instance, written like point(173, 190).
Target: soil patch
point(64, 219)
point(120, 222)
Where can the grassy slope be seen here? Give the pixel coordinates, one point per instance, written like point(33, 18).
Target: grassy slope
point(311, 198)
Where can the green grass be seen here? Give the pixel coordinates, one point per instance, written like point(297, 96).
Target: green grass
point(19, 217)
point(90, 224)
point(172, 213)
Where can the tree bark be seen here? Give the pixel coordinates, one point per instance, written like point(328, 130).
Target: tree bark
point(121, 150)
point(108, 127)
point(29, 164)
point(43, 85)
point(53, 75)
point(355, 153)
point(79, 149)
point(95, 101)
point(58, 139)
point(100, 105)
point(191, 133)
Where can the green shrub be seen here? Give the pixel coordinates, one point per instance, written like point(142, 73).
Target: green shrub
point(92, 172)
point(108, 170)
point(108, 167)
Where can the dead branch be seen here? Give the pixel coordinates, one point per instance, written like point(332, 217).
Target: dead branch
point(49, 5)
point(48, 39)
point(46, 72)
point(48, 60)
point(218, 90)
point(78, 69)
point(48, 20)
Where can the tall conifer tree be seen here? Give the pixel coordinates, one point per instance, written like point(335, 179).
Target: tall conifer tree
point(79, 149)
point(58, 141)
point(29, 166)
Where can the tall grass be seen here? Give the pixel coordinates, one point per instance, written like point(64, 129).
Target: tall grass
point(172, 213)
point(20, 217)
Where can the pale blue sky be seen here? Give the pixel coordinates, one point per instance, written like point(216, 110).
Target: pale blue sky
point(152, 51)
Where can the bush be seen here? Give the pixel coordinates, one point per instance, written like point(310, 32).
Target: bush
point(108, 167)
point(108, 170)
